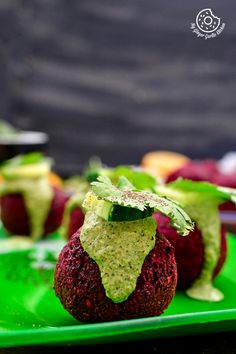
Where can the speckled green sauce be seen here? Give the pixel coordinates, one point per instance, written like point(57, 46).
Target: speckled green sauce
point(206, 215)
point(204, 211)
point(37, 194)
point(119, 249)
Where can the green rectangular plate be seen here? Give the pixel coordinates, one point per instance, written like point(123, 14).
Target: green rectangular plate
point(31, 314)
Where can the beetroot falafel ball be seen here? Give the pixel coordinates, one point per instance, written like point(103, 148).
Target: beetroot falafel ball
point(196, 171)
point(75, 222)
point(226, 180)
point(189, 251)
point(206, 170)
point(77, 283)
point(15, 218)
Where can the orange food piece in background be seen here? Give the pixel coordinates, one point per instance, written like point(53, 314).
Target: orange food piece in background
point(162, 163)
point(54, 179)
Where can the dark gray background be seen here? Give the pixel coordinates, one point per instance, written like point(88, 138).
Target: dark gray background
point(119, 78)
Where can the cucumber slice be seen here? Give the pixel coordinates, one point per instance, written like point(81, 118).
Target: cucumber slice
point(121, 213)
point(114, 212)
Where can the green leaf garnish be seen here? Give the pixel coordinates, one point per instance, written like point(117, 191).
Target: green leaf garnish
point(26, 165)
point(140, 179)
point(105, 190)
point(26, 159)
point(205, 189)
point(96, 168)
point(125, 184)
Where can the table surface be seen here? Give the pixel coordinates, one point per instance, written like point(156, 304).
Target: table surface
point(223, 343)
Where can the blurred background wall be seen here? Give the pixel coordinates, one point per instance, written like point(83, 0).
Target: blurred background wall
point(118, 78)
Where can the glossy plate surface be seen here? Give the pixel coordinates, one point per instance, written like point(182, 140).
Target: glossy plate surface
point(31, 314)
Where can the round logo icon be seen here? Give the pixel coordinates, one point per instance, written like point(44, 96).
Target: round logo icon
point(206, 21)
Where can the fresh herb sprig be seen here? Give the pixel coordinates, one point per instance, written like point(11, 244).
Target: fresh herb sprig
point(129, 196)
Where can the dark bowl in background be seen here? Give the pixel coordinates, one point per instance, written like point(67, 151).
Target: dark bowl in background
point(22, 143)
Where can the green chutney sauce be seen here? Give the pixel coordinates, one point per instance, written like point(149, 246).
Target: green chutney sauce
point(119, 249)
point(37, 194)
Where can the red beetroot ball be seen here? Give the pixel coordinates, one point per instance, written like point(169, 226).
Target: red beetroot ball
point(77, 283)
point(228, 206)
point(15, 218)
point(224, 180)
point(196, 171)
point(76, 221)
point(189, 251)
point(206, 170)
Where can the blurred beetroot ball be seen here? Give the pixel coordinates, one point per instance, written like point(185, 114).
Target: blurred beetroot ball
point(77, 283)
point(76, 221)
point(206, 171)
point(228, 206)
point(189, 251)
point(196, 171)
point(15, 218)
point(226, 180)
